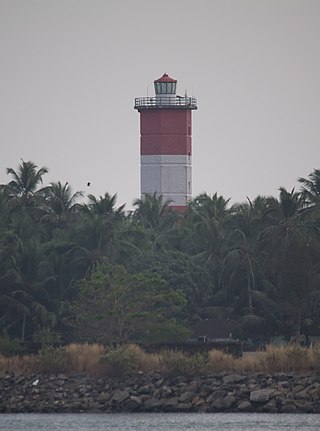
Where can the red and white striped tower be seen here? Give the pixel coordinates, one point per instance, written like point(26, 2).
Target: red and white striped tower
point(165, 139)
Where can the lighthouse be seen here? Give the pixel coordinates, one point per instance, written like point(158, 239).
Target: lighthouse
point(165, 143)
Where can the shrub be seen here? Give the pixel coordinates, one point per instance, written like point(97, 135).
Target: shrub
point(10, 347)
point(176, 362)
point(51, 360)
point(46, 337)
point(122, 359)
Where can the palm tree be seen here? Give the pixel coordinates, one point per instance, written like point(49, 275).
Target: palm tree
point(154, 215)
point(238, 266)
point(290, 252)
point(101, 220)
point(105, 205)
point(241, 258)
point(23, 188)
point(207, 217)
point(100, 233)
point(60, 203)
point(4, 208)
point(22, 297)
point(310, 189)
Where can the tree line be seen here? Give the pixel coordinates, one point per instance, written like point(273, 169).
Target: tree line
point(91, 271)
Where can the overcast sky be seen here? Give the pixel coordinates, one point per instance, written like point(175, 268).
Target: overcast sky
point(70, 70)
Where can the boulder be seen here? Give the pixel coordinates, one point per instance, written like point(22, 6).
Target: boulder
point(244, 406)
point(262, 395)
point(120, 396)
point(186, 397)
point(133, 403)
point(233, 378)
point(151, 405)
point(288, 408)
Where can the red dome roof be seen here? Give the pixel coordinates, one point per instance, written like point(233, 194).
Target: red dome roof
point(165, 78)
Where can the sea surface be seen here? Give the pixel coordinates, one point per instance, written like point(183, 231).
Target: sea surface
point(160, 422)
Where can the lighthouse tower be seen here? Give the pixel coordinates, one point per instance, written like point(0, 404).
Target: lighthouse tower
point(165, 143)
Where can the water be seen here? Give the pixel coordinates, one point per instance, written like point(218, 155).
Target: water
point(160, 422)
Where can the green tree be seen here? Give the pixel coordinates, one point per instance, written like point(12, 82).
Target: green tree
point(24, 189)
point(114, 306)
point(156, 218)
point(310, 189)
point(181, 274)
point(100, 233)
point(290, 256)
point(207, 217)
point(60, 203)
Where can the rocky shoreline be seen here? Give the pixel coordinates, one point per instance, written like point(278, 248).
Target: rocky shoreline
point(221, 392)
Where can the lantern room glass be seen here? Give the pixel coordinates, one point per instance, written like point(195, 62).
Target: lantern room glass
point(165, 87)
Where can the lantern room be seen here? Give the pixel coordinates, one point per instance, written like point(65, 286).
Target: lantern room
point(165, 85)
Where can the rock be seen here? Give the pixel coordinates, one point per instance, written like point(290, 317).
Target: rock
point(205, 390)
point(315, 393)
point(133, 403)
point(244, 406)
point(119, 397)
point(198, 401)
point(186, 397)
point(151, 405)
point(302, 395)
point(217, 406)
point(146, 389)
point(288, 408)
point(233, 378)
point(229, 401)
point(262, 395)
point(303, 406)
point(103, 397)
point(184, 407)
point(216, 394)
point(154, 392)
point(159, 383)
point(166, 392)
point(171, 405)
point(243, 391)
point(270, 407)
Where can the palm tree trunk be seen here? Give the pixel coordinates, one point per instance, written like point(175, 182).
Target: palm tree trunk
point(23, 329)
point(251, 284)
point(299, 327)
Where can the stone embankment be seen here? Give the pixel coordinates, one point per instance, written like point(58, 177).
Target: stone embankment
point(222, 392)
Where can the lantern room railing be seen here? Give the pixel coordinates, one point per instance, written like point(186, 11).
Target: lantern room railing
point(165, 102)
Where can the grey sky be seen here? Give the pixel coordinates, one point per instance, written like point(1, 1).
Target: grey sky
point(70, 70)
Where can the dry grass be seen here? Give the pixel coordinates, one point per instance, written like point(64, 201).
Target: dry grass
point(17, 364)
point(87, 358)
point(219, 361)
point(292, 358)
point(84, 358)
point(273, 359)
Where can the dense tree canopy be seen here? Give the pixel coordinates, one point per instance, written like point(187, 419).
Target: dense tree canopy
point(85, 268)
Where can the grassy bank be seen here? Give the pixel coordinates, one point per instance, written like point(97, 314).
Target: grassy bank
point(97, 360)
